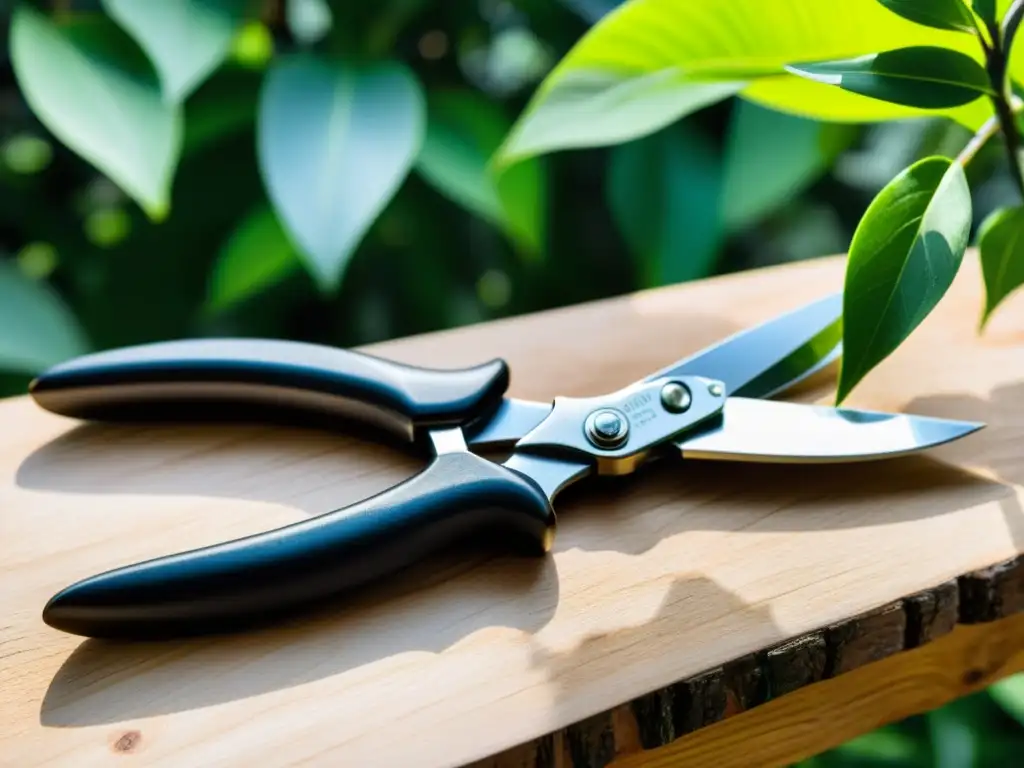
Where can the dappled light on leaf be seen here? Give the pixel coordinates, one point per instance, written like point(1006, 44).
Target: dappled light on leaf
point(646, 64)
point(925, 77)
point(905, 253)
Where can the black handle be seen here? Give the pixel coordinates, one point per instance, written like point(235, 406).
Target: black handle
point(229, 378)
point(236, 584)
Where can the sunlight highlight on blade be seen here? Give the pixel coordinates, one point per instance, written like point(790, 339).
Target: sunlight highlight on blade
point(773, 431)
point(769, 357)
point(513, 419)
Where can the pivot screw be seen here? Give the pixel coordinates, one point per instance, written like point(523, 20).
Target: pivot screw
point(607, 428)
point(675, 397)
point(715, 389)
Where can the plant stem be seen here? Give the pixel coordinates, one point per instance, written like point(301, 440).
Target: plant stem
point(1011, 21)
point(986, 132)
point(1012, 137)
point(998, 60)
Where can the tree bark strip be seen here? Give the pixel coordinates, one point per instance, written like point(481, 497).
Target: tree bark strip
point(660, 717)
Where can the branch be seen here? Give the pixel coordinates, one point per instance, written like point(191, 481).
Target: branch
point(997, 61)
point(1011, 21)
point(986, 132)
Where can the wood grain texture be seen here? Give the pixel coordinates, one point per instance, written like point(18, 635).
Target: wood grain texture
point(688, 598)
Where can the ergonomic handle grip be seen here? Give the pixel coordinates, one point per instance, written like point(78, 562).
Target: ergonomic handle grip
point(233, 585)
point(222, 378)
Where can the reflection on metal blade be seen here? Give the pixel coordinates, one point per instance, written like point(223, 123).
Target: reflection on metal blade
point(776, 353)
point(513, 419)
point(552, 475)
point(771, 431)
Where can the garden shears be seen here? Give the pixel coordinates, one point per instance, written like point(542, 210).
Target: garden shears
point(712, 405)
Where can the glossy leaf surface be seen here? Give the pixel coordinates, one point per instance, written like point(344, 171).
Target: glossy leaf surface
point(649, 62)
point(185, 39)
point(941, 14)
point(926, 77)
point(335, 141)
point(1001, 245)
point(91, 86)
point(904, 255)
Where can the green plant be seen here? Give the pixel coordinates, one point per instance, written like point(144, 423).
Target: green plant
point(651, 62)
point(318, 96)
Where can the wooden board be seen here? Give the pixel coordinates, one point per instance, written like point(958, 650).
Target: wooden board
point(700, 579)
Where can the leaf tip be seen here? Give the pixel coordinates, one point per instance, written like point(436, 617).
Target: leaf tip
point(157, 210)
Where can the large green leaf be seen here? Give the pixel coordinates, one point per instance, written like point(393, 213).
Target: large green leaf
point(941, 14)
point(1001, 244)
point(986, 10)
point(904, 255)
point(924, 76)
point(335, 141)
point(92, 87)
point(185, 39)
point(663, 192)
point(38, 328)
point(463, 131)
point(649, 62)
point(257, 255)
point(771, 156)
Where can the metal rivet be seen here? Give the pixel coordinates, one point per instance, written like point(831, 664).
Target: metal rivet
point(607, 428)
point(675, 397)
point(715, 389)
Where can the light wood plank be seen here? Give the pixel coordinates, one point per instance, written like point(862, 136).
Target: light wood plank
point(653, 581)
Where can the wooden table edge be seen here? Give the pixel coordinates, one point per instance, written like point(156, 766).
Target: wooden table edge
point(718, 717)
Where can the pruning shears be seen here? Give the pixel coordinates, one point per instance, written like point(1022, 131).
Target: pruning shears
point(714, 405)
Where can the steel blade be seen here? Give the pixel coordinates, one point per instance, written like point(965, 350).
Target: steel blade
point(774, 431)
point(772, 356)
point(552, 475)
point(513, 419)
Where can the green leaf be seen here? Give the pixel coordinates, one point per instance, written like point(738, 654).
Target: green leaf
point(91, 86)
point(923, 76)
point(1009, 693)
point(225, 105)
point(1001, 245)
point(646, 64)
point(904, 255)
point(463, 131)
point(663, 192)
point(335, 140)
point(771, 156)
point(38, 328)
point(986, 10)
point(185, 39)
point(941, 14)
point(257, 255)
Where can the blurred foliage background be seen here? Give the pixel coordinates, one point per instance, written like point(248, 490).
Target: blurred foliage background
point(732, 187)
